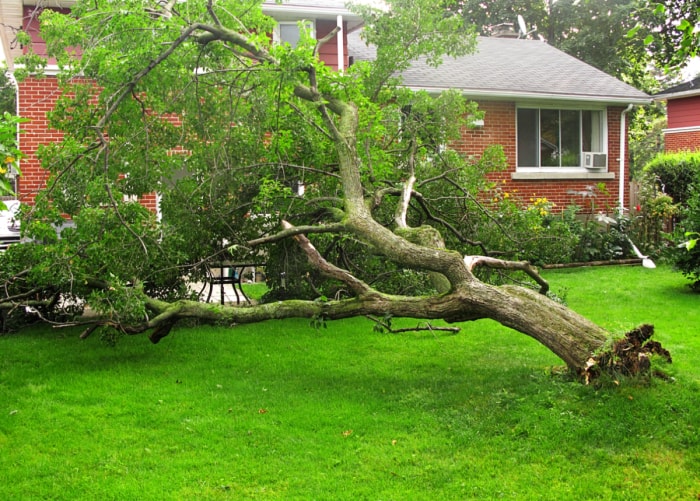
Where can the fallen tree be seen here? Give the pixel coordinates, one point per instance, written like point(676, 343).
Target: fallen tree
point(196, 104)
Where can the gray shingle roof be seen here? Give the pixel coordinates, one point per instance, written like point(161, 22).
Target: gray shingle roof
point(515, 69)
point(685, 89)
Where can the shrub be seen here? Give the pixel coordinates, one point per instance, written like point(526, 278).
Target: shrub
point(686, 255)
point(673, 173)
point(670, 209)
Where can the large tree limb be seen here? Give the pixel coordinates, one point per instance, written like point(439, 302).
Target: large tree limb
point(358, 287)
point(524, 310)
point(490, 262)
point(291, 231)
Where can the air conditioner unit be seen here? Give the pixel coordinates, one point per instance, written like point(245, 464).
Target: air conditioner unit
point(593, 160)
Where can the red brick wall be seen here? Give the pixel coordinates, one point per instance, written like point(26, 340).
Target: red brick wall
point(499, 128)
point(37, 96)
point(682, 141)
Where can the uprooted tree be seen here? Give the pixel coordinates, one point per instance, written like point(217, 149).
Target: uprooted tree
point(193, 101)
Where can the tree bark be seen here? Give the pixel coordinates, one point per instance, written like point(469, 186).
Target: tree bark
point(569, 335)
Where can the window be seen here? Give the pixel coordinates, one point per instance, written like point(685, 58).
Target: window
point(8, 104)
point(290, 33)
point(559, 138)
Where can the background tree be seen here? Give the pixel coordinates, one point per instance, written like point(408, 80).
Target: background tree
point(8, 94)
point(9, 152)
point(193, 101)
point(593, 31)
point(675, 37)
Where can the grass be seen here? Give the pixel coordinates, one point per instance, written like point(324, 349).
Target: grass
point(255, 291)
point(283, 411)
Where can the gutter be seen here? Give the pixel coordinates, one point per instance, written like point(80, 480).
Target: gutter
point(505, 95)
point(676, 95)
point(623, 154)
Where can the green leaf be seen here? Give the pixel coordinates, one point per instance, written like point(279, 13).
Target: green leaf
point(631, 33)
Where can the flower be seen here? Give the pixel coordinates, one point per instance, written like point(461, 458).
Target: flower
point(9, 160)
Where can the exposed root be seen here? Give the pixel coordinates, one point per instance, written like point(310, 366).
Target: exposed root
point(160, 332)
point(629, 356)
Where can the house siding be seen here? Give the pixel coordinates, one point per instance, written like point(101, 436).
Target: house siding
point(37, 97)
point(683, 133)
point(328, 52)
point(683, 112)
point(499, 128)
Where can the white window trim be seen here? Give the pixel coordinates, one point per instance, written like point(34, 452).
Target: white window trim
point(561, 172)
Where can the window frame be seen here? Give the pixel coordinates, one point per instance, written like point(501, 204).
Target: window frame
point(602, 110)
point(277, 32)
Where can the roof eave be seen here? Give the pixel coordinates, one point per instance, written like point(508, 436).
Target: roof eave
point(539, 96)
point(676, 95)
point(298, 10)
point(287, 12)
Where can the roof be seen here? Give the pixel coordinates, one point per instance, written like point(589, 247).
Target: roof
point(686, 89)
point(510, 68)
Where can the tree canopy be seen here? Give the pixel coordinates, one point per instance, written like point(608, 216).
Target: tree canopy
point(195, 102)
point(675, 36)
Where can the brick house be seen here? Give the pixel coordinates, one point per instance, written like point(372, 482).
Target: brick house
point(683, 114)
point(562, 123)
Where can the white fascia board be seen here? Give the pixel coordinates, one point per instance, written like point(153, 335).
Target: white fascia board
point(50, 70)
point(679, 130)
point(292, 11)
point(57, 4)
point(516, 96)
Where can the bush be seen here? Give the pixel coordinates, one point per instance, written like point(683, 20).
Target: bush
point(674, 173)
point(670, 209)
point(686, 257)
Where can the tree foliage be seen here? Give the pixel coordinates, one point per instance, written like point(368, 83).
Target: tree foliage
point(675, 37)
point(9, 150)
point(193, 101)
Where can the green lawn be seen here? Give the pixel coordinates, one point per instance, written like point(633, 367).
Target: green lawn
point(283, 411)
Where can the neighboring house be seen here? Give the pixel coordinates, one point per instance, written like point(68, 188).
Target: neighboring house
point(683, 114)
point(562, 123)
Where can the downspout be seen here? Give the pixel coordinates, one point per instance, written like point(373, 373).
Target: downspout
point(341, 48)
point(623, 154)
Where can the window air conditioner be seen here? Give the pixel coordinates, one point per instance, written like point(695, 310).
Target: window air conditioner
point(592, 160)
